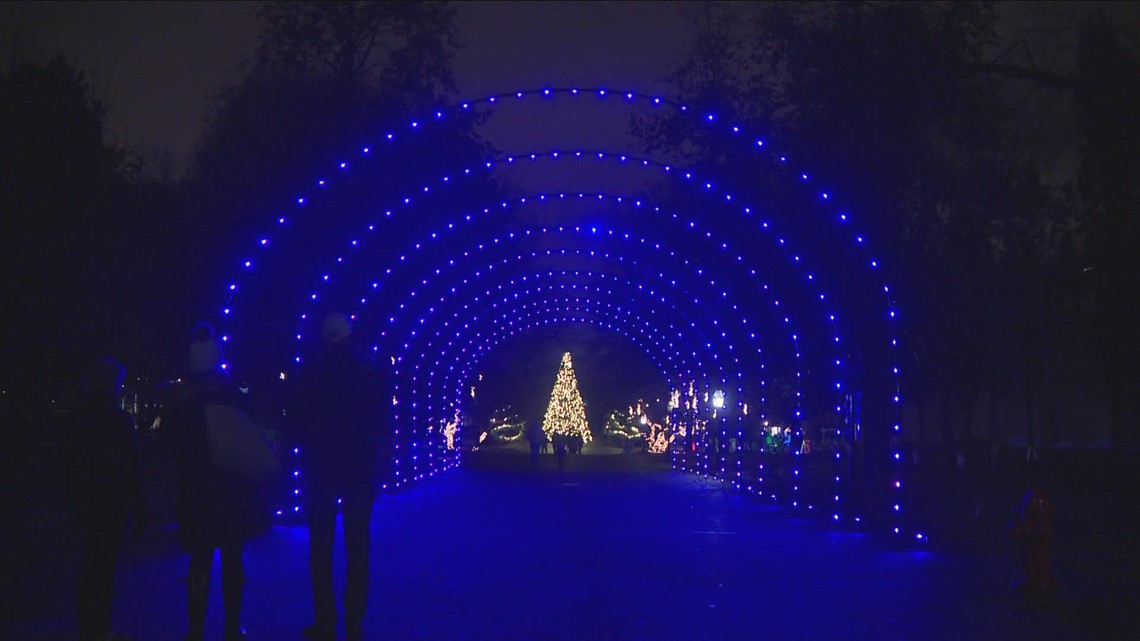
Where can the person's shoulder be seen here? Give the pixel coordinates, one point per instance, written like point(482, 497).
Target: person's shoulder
point(371, 368)
point(122, 424)
point(362, 363)
point(230, 393)
point(326, 358)
point(215, 384)
point(205, 390)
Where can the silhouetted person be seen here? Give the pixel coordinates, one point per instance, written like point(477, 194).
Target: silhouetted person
point(560, 448)
point(340, 429)
point(537, 439)
point(103, 483)
point(217, 509)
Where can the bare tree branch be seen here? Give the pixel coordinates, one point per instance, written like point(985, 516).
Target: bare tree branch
point(1045, 78)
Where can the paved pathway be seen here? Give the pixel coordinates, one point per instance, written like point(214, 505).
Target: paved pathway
point(520, 554)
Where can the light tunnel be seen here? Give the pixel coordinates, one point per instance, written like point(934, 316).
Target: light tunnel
point(734, 290)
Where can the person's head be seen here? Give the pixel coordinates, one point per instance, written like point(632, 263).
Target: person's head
point(104, 379)
point(205, 350)
point(337, 329)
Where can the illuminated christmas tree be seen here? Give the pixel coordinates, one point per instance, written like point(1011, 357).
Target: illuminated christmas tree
point(566, 413)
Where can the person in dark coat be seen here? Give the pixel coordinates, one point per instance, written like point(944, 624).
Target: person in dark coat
point(216, 509)
point(342, 432)
point(103, 482)
point(560, 448)
point(537, 439)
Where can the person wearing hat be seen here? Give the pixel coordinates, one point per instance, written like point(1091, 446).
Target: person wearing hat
point(105, 492)
point(340, 427)
point(217, 509)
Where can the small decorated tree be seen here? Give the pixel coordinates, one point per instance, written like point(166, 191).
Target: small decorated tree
point(566, 412)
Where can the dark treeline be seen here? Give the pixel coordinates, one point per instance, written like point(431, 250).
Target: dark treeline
point(106, 253)
point(928, 120)
point(1014, 282)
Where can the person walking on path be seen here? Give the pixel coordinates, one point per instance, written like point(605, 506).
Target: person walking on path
point(217, 509)
point(537, 439)
point(342, 432)
point(560, 447)
point(104, 489)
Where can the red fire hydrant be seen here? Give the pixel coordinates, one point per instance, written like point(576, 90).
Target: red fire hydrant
point(1034, 530)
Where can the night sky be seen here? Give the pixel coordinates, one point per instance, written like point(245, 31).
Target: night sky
point(157, 62)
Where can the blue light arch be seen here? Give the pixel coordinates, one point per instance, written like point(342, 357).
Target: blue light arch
point(874, 333)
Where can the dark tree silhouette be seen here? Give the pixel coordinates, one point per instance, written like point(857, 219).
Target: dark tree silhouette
point(326, 78)
point(901, 109)
point(61, 234)
point(1108, 98)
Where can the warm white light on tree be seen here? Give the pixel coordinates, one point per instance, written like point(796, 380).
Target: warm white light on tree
point(566, 412)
